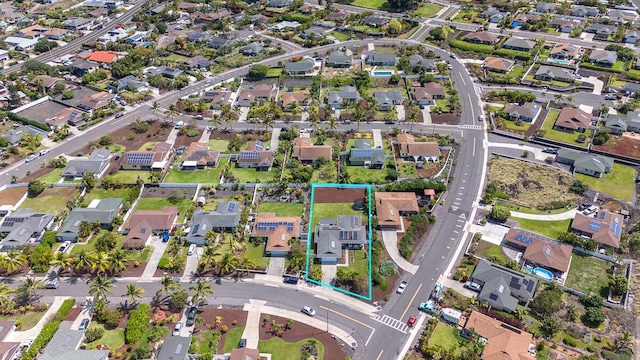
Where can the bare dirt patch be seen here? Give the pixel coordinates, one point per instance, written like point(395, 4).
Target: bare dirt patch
point(12, 195)
point(156, 132)
point(445, 118)
point(626, 145)
point(73, 314)
point(335, 195)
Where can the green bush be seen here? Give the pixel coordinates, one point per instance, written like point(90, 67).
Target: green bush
point(163, 263)
point(192, 133)
point(569, 340)
point(94, 334)
point(137, 324)
point(110, 318)
point(467, 46)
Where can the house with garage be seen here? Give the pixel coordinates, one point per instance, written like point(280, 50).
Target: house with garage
point(424, 95)
point(565, 25)
point(166, 71)
point(332, 236)
point(95, 101)
point(278, 231)
point(130, 83)
point(564, 51)
point(155, 159)
point(554, 73)
point(197, 62)
point(603, 58)
point(545, 7)
point(253, 49)
point(20, 43)
point(375, 58)
point(335, 99)
point(217, 98)
point(519, 44)
point(418, 63)
point(388, 99)
point(631, 37)
point(527, 112)
point(499, 65)
point(288, 98)
point(481, 37)
point(503, 288)
point(540, 251)
point(363, 154)
point(304, 67)
point(338, 59)
point(101, 211)
point(279, 4)
point(392, 206)
point(8, 349)
point(337, 16)
point(258, 93)
point(313, 33)
point(585, 11)
point(501, 341)
point(416, 151)
point(145, 223)
point(583, 163)
point(226, 217)
point(572, 120)
point(493, 15)
point(605, 228)
point(375, 21)
point(620, 16)
point(13, 136)
point(97, 164)
point(198, 157)
point(65, 345)
point(257, 156)
point(618, 124)
point(77, 24)
point(176, 348)
point(19, 228)
point(308, 153)
point(71, 116)
point(601, 31)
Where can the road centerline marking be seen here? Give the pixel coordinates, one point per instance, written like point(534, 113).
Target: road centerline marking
point(411, 302)
point(380, 355)
point(348, 317)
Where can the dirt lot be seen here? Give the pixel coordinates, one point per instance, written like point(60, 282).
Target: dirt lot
point(158, 192)
point(626, 145)
point(323, 195)
point(445, 118)
point(11, 196)
point(156, 132)
point(228, 316)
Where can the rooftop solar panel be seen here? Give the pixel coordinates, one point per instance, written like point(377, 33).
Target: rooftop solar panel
point(524, 239)
point(363, 153)
point(249, 155)
point(594, 226)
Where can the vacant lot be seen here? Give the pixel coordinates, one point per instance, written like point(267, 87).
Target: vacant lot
point(622, 145)
point(588, 275)
point(618, 183)
point(428, 10)
point(11, 196)
point(531, 184)
point(51, 200)
point(547, 228)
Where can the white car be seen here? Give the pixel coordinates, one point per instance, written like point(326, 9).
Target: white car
point(308, 310)
point(30, 158)
point(402, 287)
point(176, 329)
point(44, 152)
point(481, 118)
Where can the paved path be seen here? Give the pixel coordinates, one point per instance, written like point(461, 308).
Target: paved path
point(171, 139)
point(549, 217)
point(252, 326)
point(22, 336)
point(390, 240)
point(377, 138)
point(275, 138)
point(191, 266)
point(276, 266)
point(536, 152)
point(158, 250)
point(426, 115)
point(205, 136)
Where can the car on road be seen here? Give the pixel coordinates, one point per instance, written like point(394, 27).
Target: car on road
point(119, 115)
point(308, 310)
point(550, 150)
point(611, 96)
point(472, 286)
point(44, 152)
point(590, 210)
point(401, 287)
point(412, 320)
point(389, 122)
point(177, 328)
point(179, 124)
point(84, 324)
point(191, 315)
point(178, 28)
point(176, 279)
point(242, 344)
point(52, 284)
point(452, 55)
point(429, 307)
point(480, 117)
point(30, 158)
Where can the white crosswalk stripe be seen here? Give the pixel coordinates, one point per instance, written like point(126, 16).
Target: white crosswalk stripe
point(467, 126)
point(391, 322)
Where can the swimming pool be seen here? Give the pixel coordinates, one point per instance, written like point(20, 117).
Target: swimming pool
point(528, 269)
point(558, 61)
point(382, 73)
point(543, 273)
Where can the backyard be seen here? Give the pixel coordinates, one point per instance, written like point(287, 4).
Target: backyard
point(51, 200)
point(130, 176)
point(282, 209)
point(565, 137)
point(113, 338)
point(363, 175)
point(54, 176)
point(206, 176)
point(286, 350)
point(448, 338)
point(488, 250)
point(183, 205)
point(100, 193)
point(328, 173)
point(331, 211)
point(25, 321)
point(589, 275)
point(549, 229)
point(618, 183)
point(254, 176)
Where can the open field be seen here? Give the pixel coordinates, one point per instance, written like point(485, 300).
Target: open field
point(622, 145)
point(428, 10)
point(282, 209)
point(51, 200)
point(531, 184)
point(547, 228)
point(589, 275)
point(618, 183)
point(12, 195)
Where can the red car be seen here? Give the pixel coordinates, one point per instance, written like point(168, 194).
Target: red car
point(412, 320)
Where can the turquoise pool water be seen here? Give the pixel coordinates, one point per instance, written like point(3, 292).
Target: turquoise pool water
point(543, 273)
point(382, 73)
point(563, 62)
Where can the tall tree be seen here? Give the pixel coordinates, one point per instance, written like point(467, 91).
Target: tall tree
point(228, 263)
point(133, 294)
point(168, 286)
point(201, 289)
point(5, 296)
point(100, 287)
point(12, 261)
point(117, 261)
point(29, 287)
point(156, 109)
point(62, 260)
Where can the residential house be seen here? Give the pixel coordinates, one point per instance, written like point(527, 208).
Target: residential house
point(166, 71)
point(529, 18)
point(77, 24)
point(412, 150)
point(313, 33)
point(253, 49)
point(226, 218)
point(347, 93)
point(518, 44)
point(99, 14)
point(305, 151)
point(8, 348)
point(189, 6)
point(301, 97)
point(419, 63)
point(203, 37)
point(337, 16)
point(20, 44)
point(258, 19)
point(197, 62)
point(32, 32)
point(565, 25)
point(258, 156)
point(540, 251)
point(339, 59)
point(80, 67)
point(155, 159)
point(103, 57)
point(13, 136)
point(4, 55)
point(374, 58)
point(175, 348)
point(285, 25)
point(618, 124)
point(631, 37)
point(145, 223)
point(583, 163)
point(217, 97)
point(363, 154)
point(392, 206)
point(262, 92)
point(198, 156)
point(572, 119)
point(554, 73)
point(424, 95)
point(546, 7)
point(375, 21)
point(95, 101)
point(501, 287)
point(211, 17)
point(307, 9)
point(97, 163)
point(64, 346)
point(493, 15)
point(44, 81)
point(277, 231)
point(564, 51)
point(18, 228)
point(499, 65)
point(527, 112)
point(584, 11)
point(502, 341)
point(217, 43)
point(331, 236)
point(306, 66)
point(245, 354)
point(603, 58)
point(388, 99)
point(605, 228)
point(139, 38)
point(71, 116)
point(620, 16)
point(602, 31)
point(130, 83)
point(481, 37)
point(101, 211)
point(279, 4)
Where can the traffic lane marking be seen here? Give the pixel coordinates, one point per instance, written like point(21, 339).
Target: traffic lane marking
point(347, 317)
point(380, 355)
point(411, 302)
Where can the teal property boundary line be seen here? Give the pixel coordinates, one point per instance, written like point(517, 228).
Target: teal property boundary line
point(310, 237)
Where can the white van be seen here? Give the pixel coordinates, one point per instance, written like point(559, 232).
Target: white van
point(192, 250)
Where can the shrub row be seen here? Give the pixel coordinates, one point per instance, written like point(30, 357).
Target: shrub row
point(90, 123)
point(419, 226)
point(49, 330)
point(137, 324)
point(488, 49)
point(25, 121)
point(588, 65)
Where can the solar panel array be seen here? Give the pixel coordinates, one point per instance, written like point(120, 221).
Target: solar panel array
point(249, 155)
point(529, 284)
point(348, 235)
point(272, 225)
point(515, 283)
point(259, 145)
point(362, 153)
point(524, 239)
point(196, 227)
point(231, 207)
point(594, 226)
point(616, 228)
point(139, 158)
point(493, 297)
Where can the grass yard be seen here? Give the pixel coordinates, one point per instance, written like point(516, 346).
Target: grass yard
point(561, 136)
point(206, 176)
point(99, 193)
point(285, 350)
point(25, 321)
point(90, 245)
point(363, 175)
point(207, 338)
point(339, 36)
point(547, 228)
point(274, 72)
point(176, 58)
point(512, 126)
point(443, 104)
point(589, 275)
point(618, 183)
point(370, 4)
point(218, 144)
point(448, 337)
point(466, 16)
point(361, 264)
point(282, 209)
point(407, 170)
point(148, 146)
point(255, 176)
point(527, 210)
point(50, 200)
point(331, 211)
point(130, 176)
point(328, 173)
point(428, 10)
point(54, 176)
point(488, 250)
point(141, 255)
point(232, 340)
point(158, 203)
point(255, 254)
point(114, 338)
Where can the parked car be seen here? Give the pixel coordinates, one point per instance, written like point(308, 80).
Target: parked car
point(65, 246)
point(30, 158)
point(177, 328)
point(480, 117)
point(550, 150)
point(119, 115)
point(291, 280)
point(191, 315)
point(308, 310)
point(584, 206)
point(44, 152)
point(27, 344)
point(611, 96)
point(179, 124)
point(472, 286)
point(84, 324)
point(412, 320)
point(401, 287)
point(52, 284)
point(242, 344)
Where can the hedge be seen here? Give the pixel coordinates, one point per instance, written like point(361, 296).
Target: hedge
point(25, 121)
point(137, 324)
point(514, 54)
point(467, 46)
point(588, 65)
point(49, 330)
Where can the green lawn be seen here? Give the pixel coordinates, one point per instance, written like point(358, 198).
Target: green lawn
point(205, 339)
point(488, 250)
point(114, 338)
point(285, 350)
point(448, 337)
point(326, 174)
point(443, 104)
point(255, 176)
point(274, 72)
point(527, 210)
point(361, 264)
point(511, 125)
point(547, 228)
point(220, 145)
point(158, 203)
point(206, 176)
point(25, 321)
point(255, 254)
point(232, 340)
point(466, 16)
point(176, 58)
point(371, 4)
point(130, 176)
point(54, 176)
point(282, 209)
point(90, 245)
point(561, 136)
point(589, 275)
point(428, 10)
point(331, 211)
point(363, 175)
point(148, 146)
point(618, 183)
point(141, 255)
point(339, 36)
point(50, 200)
point(407, 170)
point(99, 193)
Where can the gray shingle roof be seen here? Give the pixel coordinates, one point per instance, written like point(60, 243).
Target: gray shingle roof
point(305, 65)
point(103, 212)
point(503, 287)
point(339, 58)
point(63, 344)
point(586, 161)
point(174, 348)
point(20, 225)
point(389, 97)
point(95, 163)
point(331, 235)
point(346, 93)
point(375, 155)
point(226, 215)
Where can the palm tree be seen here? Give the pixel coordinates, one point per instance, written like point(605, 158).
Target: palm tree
point(13, 261)
point(215, 120)
point(412, 117)
point(29, 287)
point(358, 114)
point(623, 342)
point(155, 109)
point(295, 108)
point(202, 289)
point(268, 122)
point(5, 296)
point(246, 264)
point(168, 286)
point(313, 112)
point(83, 260)
point(133, 294)
point(117, 261)
point(208, 257)
point(100, 262)
point(315, 122)
point(62, 260)
point(172, 113)
point(100, 287)
point(333, 124)
point(228, 263)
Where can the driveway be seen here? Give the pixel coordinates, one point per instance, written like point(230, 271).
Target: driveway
point(400, 112)
point(191, 266)
point(275, 138)
point(426, 115)
point(158, 250)
point(171, 139)
point(390, 240)
point(491, 233)
point(597, 84)
point(377, 138)
point(242, 116)
point(546, 217)
point(329, 273)
point(276, 266)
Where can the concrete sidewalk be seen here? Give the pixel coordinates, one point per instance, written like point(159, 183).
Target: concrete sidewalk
point(22, 336)
point(549, 217)
point(390, 240)
point(252, 326)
